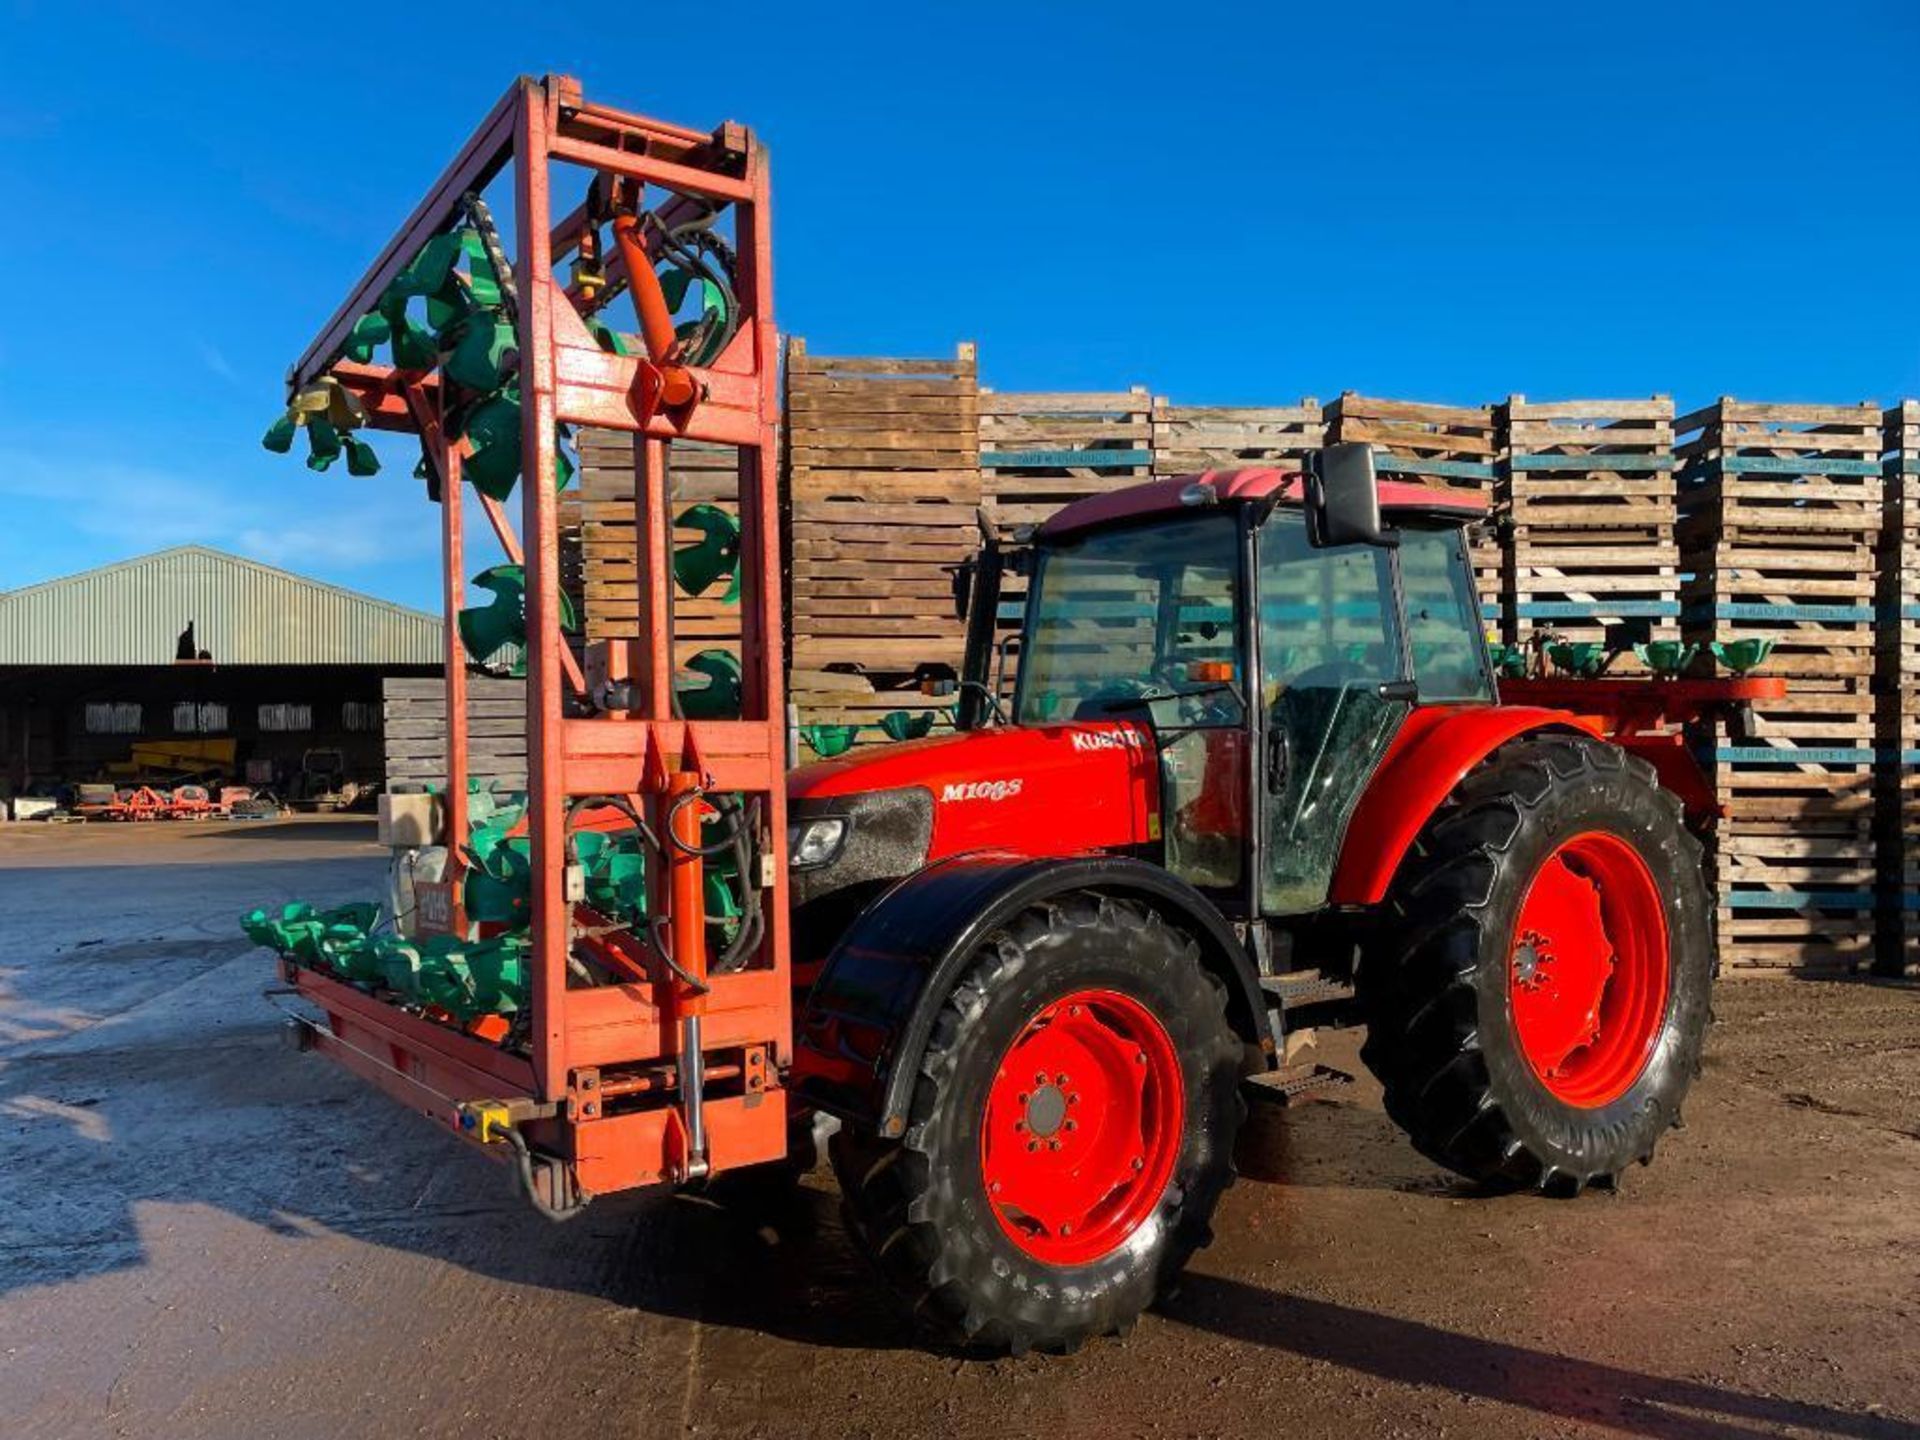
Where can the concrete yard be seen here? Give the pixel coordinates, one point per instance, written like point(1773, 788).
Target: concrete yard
point(205, 1234)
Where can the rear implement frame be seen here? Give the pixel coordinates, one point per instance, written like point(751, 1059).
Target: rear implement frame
point(668, 1075)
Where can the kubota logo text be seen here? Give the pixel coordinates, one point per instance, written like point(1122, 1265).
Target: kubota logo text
point(1104, 740)
point(981, 790)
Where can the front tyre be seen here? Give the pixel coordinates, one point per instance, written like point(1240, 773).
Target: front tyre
point(1537, 994)
point(1071, 1131)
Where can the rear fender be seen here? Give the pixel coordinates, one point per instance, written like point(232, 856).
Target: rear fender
point(867, 1020)
point(1433, 752)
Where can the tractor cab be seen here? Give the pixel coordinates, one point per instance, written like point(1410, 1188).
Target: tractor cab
point(1210, 671)
point(1273, 631)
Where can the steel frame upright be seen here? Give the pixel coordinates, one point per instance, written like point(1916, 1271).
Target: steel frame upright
point(644, 752)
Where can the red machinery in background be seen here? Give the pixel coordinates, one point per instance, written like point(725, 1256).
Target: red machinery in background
point(675, 1071)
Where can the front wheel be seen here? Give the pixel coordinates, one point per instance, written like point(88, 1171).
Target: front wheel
point(1537, 994)
point(1072, 1129)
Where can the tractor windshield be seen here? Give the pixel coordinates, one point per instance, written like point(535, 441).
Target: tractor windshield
point(1144, 623)
point(1119, 617)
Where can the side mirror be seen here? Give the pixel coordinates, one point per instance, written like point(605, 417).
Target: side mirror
point(963, 587)
point(1343, 498)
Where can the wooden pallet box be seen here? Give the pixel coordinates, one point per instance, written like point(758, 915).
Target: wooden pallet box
point(1042, 450)
point(883, 493)
point(1189, 439)
point(414, 723)
point(1781, 509)
point(1456, 446)
point(696, 474)
point(1586, 492)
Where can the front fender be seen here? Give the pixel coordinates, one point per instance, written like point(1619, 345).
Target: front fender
point(1431, 754)
point(868, 1018)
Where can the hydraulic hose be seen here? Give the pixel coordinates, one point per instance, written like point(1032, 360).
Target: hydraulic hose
point(523, 1158)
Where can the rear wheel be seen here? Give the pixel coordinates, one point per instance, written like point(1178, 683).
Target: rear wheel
point(1071, 1131)
point(1538, 992)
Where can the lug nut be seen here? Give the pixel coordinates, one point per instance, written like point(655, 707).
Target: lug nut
point(1059, 1079)
point(1073, 1124)
point(1053, 1144)
point(1040, 1079)
point(1073, 1099)
point(1066, 1230)
point(995, 1187)
point(1032, 1145)
point(1138, 1163)
point(1139, 1057)
point(1023, 1097)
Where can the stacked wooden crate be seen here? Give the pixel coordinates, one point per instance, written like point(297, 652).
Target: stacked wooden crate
point(1188, 439)
point(1898, 683)
point(1041, 451)
point(414, 731)
point(1781, 508)
point(1451, 445)
point(696, 474)
point(883, 475)
point(1587, 492)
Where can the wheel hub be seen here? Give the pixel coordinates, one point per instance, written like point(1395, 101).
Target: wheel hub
point(1046, 1110)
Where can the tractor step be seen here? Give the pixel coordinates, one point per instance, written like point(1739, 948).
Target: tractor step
point(1291, 1082)
point(1297, 988)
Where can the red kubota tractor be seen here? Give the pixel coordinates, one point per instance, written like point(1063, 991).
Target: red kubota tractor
point(1254, 769)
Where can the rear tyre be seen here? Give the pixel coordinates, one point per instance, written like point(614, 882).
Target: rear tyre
point(1537, 994)
point(1071, 1131)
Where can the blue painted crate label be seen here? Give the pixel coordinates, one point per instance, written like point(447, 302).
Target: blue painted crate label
point(1062, 459)
point(1859, 900)
point(1409, 465)
point(1796, 755)
point(1616, 464)
point(1753, 610)
point(1794, 465)
point(1590, 609)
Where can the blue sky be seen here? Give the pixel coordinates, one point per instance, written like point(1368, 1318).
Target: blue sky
point(1229, 204)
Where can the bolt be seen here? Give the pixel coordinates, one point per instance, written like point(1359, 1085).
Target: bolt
point(587, 1082)
point(1073, 1010)
point(592, 1108)
point(1041, 1078)
point(995, 1187)
point(1020, 1126)
point(1053, 1144)
point(1023, 1097)
point(1059, 1079)
point(1065, 1230)
point(1073, 1099)
point(1032, 1145)
point(1073, 1124)
point(1138, 1163)
point(1139, 1057)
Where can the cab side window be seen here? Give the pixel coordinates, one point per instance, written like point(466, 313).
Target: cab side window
point(1444, 627)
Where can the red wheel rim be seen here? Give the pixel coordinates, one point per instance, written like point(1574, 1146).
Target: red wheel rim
point(1587, 975)
point(1083, 1127)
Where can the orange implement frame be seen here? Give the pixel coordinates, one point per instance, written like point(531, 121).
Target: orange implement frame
point(656, 1078)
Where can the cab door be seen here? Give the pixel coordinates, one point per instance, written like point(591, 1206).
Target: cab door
point(1333, 689)
point(1350, 639)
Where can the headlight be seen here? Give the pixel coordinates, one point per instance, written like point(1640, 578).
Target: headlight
point(814, 842)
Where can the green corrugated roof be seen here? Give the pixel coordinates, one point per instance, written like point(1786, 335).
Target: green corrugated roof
point(245, 613)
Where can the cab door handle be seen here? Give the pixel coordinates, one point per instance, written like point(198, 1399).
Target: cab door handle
point(1279, 759)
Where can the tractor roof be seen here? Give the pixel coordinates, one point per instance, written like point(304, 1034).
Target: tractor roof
point(1262, 483)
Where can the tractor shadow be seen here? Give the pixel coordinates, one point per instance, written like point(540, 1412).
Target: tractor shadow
point(1558, 1387)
